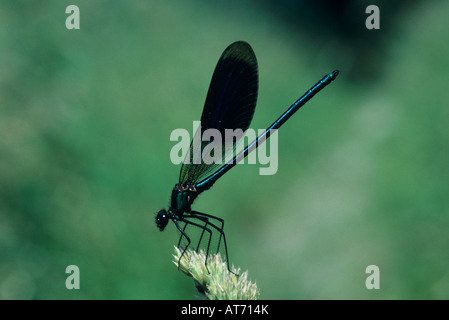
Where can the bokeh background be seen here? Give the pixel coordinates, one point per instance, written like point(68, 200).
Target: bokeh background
point(85, 121)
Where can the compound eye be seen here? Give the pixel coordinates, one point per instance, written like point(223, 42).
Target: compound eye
point(162, 219)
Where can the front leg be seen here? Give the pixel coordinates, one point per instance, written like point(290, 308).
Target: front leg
point(186, 219)
point(206, 217)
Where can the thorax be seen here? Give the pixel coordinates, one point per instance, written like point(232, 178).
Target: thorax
point(182, 198)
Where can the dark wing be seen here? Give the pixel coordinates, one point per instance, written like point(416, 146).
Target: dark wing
point(230, 104)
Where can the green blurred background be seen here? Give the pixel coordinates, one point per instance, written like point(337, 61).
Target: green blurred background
point(85, 121)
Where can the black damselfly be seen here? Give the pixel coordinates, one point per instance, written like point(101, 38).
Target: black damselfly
point(230, 104)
